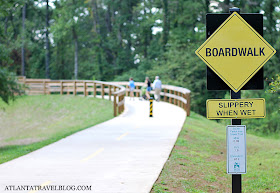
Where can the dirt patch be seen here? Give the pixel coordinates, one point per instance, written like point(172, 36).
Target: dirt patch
point(181, 148)
point(219, 156)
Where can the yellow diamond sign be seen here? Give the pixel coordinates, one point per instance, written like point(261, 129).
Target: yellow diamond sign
point(235, 52)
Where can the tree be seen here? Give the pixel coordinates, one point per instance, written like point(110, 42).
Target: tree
point(9, 87)
point(275, 85)
point(166, 19)
point(47, 42)
point(67, 15)
point(23, 39)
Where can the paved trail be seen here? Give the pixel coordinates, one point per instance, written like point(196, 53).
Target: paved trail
point(123, 155)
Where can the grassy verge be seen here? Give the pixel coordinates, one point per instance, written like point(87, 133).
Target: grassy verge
point(32, 122)
point(198, 161)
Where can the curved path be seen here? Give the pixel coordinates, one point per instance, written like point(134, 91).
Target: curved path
point(123, 155)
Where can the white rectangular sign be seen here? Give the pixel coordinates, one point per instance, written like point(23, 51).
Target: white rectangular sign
point(236, 149)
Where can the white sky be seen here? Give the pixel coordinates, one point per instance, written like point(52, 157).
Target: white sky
point(43, 3)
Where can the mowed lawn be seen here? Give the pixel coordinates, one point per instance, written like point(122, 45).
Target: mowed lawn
point(198, 161)
point(32, 122)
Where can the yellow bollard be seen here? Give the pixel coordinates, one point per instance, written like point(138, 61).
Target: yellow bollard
point(151, 107)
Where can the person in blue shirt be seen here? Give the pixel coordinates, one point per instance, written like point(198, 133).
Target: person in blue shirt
point(131, 87)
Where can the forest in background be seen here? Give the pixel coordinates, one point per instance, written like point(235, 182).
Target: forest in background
point(117, 39)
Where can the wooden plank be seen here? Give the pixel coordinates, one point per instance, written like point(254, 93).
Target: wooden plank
point(172, 96)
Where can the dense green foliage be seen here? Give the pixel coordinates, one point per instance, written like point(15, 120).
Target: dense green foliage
point(116, 39)
point(275, 85)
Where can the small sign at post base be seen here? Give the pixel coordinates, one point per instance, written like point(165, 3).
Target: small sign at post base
point(236, 149)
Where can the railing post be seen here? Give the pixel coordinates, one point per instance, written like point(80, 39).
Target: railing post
point(175, 99)
point(188, 105)
point(165, 97)
point(61, 87)
point(85, 88)
point(119, 107)
point(110, 92)
point(94, 89)
point(44, 87)
point(115, 105)
point(68, 92)
point(136, 90)
point(180, 102)
point(102, 90)
point(48, 87)
point(126, 90)
point(74, 92)
point(123, 103)
point(170, 97)
point(122, 106)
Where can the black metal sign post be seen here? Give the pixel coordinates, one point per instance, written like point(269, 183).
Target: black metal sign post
point(236, 178)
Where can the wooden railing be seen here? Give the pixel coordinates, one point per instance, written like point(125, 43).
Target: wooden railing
point(172, 94)
point(118, 90)
point(77, 87)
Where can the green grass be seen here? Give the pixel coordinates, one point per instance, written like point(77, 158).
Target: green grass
point(32, 122)
point(198, 161)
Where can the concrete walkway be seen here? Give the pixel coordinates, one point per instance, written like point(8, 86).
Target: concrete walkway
point(123, 155)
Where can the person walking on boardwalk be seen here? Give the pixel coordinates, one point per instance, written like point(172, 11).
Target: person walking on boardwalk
point(131, 85)
point(157, 88)
point(149, 88)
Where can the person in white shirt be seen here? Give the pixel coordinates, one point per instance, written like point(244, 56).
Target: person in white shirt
point(157, 88)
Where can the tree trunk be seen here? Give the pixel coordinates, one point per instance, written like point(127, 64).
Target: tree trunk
point(165, 23)
point(47, 42)
point(226, 6)
point(13, 25)
point(108, 19)
point(96, 23)
point(76, 52)
point(146, 32)
point(23, 39)
point(207, 4)
point(271, 21)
